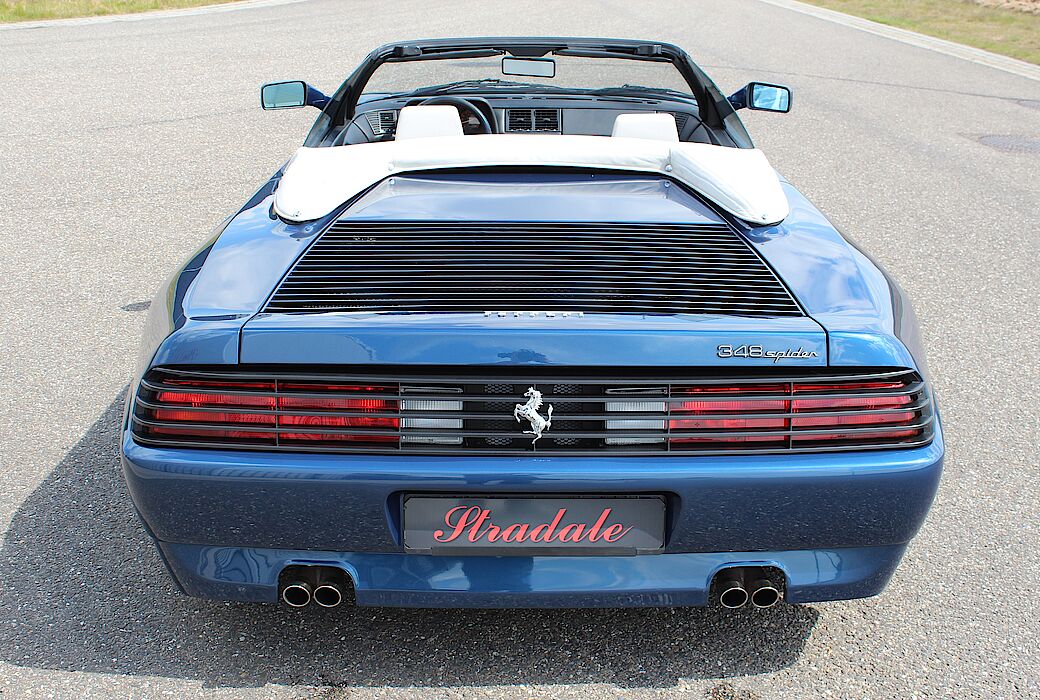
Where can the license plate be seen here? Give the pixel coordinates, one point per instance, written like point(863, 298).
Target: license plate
point(533, 526)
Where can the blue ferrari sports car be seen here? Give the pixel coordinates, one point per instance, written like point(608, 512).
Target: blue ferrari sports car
point(530, 322)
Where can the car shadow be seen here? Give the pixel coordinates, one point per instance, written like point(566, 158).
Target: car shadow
point(82, 589)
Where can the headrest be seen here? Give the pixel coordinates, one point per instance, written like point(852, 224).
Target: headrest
point(654, 125)
point(424, 121)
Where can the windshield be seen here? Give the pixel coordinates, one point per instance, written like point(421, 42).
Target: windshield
point(573, 74)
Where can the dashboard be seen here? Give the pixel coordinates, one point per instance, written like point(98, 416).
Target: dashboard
point(377, 118)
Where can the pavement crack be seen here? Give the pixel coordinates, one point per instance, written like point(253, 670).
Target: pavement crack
point(175, 120)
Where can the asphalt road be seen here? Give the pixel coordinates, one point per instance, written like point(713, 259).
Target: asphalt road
point(122, 144)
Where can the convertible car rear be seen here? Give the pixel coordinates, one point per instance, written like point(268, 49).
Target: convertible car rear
point(495, 343)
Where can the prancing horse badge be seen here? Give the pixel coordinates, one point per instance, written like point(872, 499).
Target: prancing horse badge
point(529, 411)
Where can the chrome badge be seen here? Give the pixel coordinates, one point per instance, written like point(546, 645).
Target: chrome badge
point(529, 411)
point(757, 351)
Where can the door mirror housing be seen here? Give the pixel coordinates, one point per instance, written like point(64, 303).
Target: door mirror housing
point(763, 97)
point(291, 94)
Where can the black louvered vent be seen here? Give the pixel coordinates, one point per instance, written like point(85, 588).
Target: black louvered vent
point(519, 119)
point(382, 123)
point(680, 120)
point(547, 120)
point(475, 267)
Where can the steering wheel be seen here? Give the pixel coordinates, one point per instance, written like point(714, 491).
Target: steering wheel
point(461, 103)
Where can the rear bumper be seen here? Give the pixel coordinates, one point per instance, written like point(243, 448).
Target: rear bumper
point(228, 522)
point(408, 580)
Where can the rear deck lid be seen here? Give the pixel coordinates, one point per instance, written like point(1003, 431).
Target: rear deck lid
point(589, 268)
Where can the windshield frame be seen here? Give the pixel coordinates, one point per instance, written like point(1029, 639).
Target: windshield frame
point(714, 109)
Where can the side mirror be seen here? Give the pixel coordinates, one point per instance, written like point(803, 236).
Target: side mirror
point(764, 97)
point(291, 94)
point(287, 95)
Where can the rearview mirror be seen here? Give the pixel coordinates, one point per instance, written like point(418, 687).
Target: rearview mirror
point(769, 98)
point(287, 95)
point(531, 67)
point(764, 97)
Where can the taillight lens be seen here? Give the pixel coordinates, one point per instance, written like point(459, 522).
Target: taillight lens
point(857, 411)
point(768, 414)
point(305, 412)
point(709, 412)
point(350, 413)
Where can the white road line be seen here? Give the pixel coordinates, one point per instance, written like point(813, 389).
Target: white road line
point(950, 48)
point(158, 14)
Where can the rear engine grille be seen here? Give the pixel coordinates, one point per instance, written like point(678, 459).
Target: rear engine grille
point(478, 266)
point(592, 415)
point(545, 120)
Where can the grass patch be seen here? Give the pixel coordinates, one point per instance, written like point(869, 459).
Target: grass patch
point(1004, 31)
point(23, 10)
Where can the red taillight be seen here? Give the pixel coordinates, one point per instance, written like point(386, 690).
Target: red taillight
point(865, 419)
point(333, 403)
point(851, 386)
point(213, 433)
point(870, 410)
point(197, 413)
point(310, 412)
point(769, 415)
point(751, 406)
point(212, 417)
point(727, 423)
point(728, 401)
point(839, 403)
point(197, 400)
point(720, 390)
point(893, 435)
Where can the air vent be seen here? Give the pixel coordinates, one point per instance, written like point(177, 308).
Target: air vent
point(519, 119)
point(382, 123)
point(529, 120)
point(680, 120)
point(474, 266)
point(546, 120)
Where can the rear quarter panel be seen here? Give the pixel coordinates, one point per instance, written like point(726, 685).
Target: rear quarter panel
point(867, 316)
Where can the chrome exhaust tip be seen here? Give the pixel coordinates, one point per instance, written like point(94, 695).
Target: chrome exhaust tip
point(297, 594)
point(764, 594)
point(328, 594)
point(731, 591)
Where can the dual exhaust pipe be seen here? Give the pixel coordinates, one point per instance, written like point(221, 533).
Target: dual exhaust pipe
point(325, 586)
point(329, 587)
point(738, 586)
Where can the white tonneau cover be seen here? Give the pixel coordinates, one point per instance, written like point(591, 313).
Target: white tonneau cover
point(740, 180)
